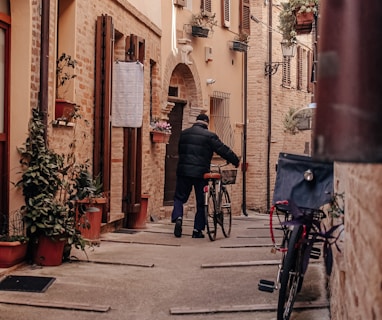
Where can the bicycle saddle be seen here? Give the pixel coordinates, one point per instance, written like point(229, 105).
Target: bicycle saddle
point(212, 175)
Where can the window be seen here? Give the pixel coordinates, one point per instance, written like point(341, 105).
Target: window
point(245, 17)
point(219, 117)
point(286, 80)
point(226, 14)
point(303, 70)
point(206, 7)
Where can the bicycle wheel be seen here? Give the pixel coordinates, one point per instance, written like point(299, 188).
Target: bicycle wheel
point(211, 222)
point(291, 277)
point(225, 217)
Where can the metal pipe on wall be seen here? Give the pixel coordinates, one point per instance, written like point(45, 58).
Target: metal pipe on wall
point(270, 5)
point(244, 160)
point(44, 62)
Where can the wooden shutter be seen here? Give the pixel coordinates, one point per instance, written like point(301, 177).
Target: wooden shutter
point(245, 17)
point(299, 68)
point(102, 107)
point(132, 141)
point(226, 14)
point(310, 76)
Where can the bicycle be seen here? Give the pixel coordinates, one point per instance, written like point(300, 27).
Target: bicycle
point(217, 200)
point(301, 228)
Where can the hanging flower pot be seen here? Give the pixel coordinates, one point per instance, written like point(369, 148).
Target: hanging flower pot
point(199, 31)
point(239, 46)
point(160, 137)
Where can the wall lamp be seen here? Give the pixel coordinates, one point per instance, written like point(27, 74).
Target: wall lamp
point(288, 52)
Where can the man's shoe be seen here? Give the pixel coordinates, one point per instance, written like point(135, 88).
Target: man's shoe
point(197, 234)
point(178, 228)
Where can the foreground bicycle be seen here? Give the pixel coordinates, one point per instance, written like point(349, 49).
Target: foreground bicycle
point(301, 229)
point(217, 201)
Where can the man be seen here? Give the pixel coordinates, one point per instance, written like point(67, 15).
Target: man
point(196, 147)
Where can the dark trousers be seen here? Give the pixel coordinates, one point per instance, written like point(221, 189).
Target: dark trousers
point(182, 192)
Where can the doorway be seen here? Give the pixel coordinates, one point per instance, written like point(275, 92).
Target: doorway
point(176, 119)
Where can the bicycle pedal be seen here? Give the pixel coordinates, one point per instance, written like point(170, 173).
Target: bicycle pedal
point(266, 285)
point(315, 253)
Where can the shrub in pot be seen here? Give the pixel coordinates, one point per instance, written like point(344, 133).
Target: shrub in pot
point(46, 215)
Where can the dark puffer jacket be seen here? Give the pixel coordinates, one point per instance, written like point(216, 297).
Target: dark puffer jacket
point(196, 147)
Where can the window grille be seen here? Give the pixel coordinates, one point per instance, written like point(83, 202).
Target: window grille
point(219, 117)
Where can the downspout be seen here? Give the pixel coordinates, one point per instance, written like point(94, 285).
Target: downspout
point(269, 102)
point(44, 61)
point(244, 161)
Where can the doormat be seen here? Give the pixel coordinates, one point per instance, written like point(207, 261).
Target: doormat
point(26, 283)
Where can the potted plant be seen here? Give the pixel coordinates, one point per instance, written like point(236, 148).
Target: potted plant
point(160, 131)
point(202, 24)
point(297, 17)
point(13, 242)
point(240, 43)
point(90, 202)
point(65, 66)
point(49, 219)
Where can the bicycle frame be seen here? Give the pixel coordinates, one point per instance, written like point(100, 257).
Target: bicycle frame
point(217, 203)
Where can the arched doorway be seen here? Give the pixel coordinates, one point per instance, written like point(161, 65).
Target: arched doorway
point(182, 94)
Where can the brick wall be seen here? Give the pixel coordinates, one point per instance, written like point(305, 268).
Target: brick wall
point(356, 282)
point(282, 99)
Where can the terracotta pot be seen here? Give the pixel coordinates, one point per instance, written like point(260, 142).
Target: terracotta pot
point(91, 217)
point(160, 137)
point(64, 110)
point(304, 18)
point(12, 253)
point(49, 251)
point(137, 220)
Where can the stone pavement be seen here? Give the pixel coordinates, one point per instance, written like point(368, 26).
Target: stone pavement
point(150, 274)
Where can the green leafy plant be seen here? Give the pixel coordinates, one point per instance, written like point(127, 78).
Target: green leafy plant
point(65, 66)
point(287, 17)
point(43, 181)
point(204, 20)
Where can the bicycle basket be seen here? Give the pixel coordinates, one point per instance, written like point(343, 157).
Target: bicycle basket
point(229, 176)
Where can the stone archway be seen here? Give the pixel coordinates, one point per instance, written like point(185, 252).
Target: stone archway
point(178, 66)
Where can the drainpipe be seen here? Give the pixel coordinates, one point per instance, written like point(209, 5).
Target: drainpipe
point(269, 102)
point(244, 162)
point(44, 61)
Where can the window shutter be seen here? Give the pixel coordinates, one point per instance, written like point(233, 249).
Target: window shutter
point(299, 68)
point(286, 82)
point(206, 7)
point(226, 6)
point(310, 75)
point(245, 17)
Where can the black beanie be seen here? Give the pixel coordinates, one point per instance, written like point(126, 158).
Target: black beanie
point(203, 117)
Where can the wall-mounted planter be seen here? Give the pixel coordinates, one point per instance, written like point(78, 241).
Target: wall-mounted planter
point(160, 137)
point(239, 46)
point(201, 32)
point(64, 110)
point(304, 22)
point(12, 253)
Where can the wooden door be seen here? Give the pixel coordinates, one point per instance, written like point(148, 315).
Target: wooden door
point(175, 118)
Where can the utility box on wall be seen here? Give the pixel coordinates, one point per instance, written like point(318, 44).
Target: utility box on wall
point(208, 54)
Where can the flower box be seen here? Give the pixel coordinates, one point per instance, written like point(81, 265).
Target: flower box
point(12, 253)
point(64, 110)
point(199, 31)
point(239, 46)
point(160, 136)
